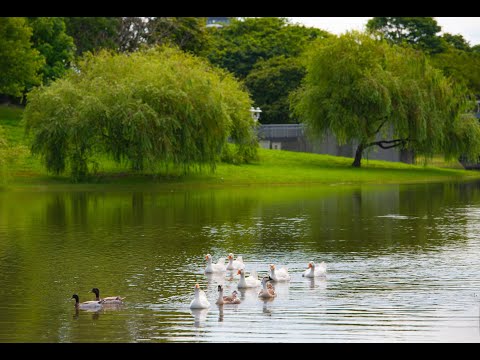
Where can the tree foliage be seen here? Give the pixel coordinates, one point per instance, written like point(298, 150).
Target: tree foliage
point(188, 33)
point(263, 52)
point(51, 40)
point(19, 62)
point(148, 108)
point(270, 83)
point(360, 88)
point(93, 33)
point(456, 41)
point(420, 32)
point(132, 33)
point(238, 46)
point(463, 66)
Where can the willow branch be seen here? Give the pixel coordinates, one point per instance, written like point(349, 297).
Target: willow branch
point(380, 126)
point(389, 144)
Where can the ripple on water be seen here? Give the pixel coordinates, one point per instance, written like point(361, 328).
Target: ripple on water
point(402, 265)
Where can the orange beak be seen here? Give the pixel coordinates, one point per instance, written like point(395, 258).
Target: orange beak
point(229, 257)
point(239, 272)
point(272, 266)
point(309, 265)
point(197, 286)
point(206, 257)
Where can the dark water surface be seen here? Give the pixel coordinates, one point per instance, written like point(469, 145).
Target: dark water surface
point(403, 263)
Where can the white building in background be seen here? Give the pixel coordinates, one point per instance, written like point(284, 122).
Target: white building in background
point(292, 137)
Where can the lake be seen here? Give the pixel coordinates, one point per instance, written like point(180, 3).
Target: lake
point(403, 263)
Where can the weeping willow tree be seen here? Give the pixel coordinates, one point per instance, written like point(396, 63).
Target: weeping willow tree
point(366, 91)
point(157, 106)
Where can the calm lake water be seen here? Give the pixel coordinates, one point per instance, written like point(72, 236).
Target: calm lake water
point(403, 263)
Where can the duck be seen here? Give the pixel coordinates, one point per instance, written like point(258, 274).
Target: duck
point(235, 264)
point(249, 282)
point(110, 300)
point(267, 292)
point(280, 274)
point(227, 299)
point(200, 300)
point(315, 270)
point(214, 268)
point(86, 305)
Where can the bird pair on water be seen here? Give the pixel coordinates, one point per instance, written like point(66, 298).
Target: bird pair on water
point(98, 302)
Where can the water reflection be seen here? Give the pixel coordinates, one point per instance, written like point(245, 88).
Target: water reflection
point(200, 316)
point(215, 278)
point(112, 307)
point(282, 289)
point(94, 312)
point(266, 309)
point(404, 262)
point(319, 282)
point(248, 292)
point(232, 275)
point(220, 313)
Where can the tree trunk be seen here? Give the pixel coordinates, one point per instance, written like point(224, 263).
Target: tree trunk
point(358, 156)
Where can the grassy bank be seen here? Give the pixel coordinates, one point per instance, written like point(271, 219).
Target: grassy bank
point(273, 168)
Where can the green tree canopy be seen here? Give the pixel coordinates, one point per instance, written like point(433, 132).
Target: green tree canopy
point(361, 88)
point(420, 32)
point(263, 52)
point(51, 40)
point(270, 83)
point(188, 33)
point(456, 41)
point(146, 109)
point(94, 33)
point(461, 65)
point(19, 62)
point(132, 33)
point(238, 46)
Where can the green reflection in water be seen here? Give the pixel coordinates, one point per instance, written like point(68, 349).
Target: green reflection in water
point(150, 245)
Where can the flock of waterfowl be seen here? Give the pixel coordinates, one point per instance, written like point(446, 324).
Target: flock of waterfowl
point(200, 300)
point(267, 291)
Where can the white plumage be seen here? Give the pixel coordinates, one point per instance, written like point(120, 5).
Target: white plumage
point(200, 300)
point(315, 270)
point(279, 275)
point(214, 268)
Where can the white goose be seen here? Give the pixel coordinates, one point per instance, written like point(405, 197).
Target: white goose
point(280, 274)
point(235, 264)
point(86, 305)
point(200, 300)
point(214, 268)
point(267, 292)
point(249, 282)
point(315, 270)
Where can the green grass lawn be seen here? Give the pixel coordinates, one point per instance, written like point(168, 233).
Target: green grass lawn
point(273, 168)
